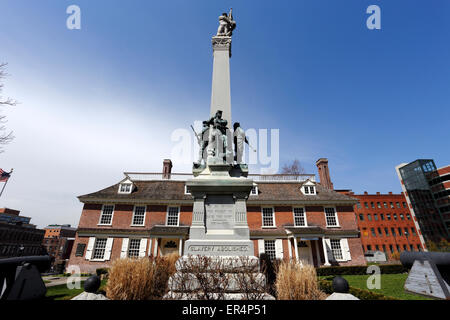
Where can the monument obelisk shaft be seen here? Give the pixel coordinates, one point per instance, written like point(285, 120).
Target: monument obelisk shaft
point(221, 95)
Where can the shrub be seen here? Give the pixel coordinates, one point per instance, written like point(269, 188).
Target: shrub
point(327, 287)
point(101, 271)
point(297, 282)
point(362, 270)
point(140, 279)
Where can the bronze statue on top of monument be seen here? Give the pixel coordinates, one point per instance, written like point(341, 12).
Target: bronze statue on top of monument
point(226, 24)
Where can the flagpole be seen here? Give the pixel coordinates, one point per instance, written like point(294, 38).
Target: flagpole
point(4, 185)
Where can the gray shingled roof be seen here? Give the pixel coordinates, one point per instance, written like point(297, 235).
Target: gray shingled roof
point(171, 190)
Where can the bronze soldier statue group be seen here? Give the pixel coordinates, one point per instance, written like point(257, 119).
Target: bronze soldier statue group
point(213, 141)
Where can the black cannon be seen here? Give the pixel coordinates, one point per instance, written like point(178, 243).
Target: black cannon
point(20, 277)
point(429, 274)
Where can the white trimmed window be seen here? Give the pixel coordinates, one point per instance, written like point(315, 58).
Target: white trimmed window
point(269, 249)
point(299, 217)
point(106, 215)
point(254, 191)
point(133, 248)
point(186, 190)
point(99, 249)
point(268, 218)
point(126, 186)
point(172, 216)
point(331, 217)
point(336, 249)
point(138, 216)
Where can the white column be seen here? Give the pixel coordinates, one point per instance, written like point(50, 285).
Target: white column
point(180, 249)
point(325, 253)
point(220, 95)
point(289, 248)
point(296, 249)
point(155, 249)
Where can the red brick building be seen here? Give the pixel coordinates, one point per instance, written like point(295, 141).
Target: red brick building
point(289, 216)
point(58, 241)
point(386, 223)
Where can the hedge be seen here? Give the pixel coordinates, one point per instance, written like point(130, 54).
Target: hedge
point(327, 287)
point(101, 271)
point(361, 270)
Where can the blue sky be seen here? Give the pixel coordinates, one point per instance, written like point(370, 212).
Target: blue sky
point(105, 99)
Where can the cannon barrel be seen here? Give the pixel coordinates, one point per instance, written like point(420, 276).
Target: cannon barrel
point(42, 263)
point(440, 259)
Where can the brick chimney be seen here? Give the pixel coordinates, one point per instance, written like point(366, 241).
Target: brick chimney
point(167, 168)
point(324, 173)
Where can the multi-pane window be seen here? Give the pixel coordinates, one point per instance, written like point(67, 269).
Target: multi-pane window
point(268, 219)
point(398, 204)
point(398, 247)
point(372, 205)
point(382, 216)
point(299, 217)
point(369, 217)
point(133, 248)
point(384, 248)
point(138, 216)
point(336, 249)
point(373, 232)
point(377, 247)
point(393, 231)
point(378, 205)
point(366, 205)
point(358, 205)
point(254, 191)
point(413, 231)
point(125, 188)
point(385, 205)
point(391, 248)
point(269, 249)
point(395, 216)
point(386, 230)
point(106, 215)
point(400, 231)
point(406, 231)
point(375, 216)
point(408, 216)
point(172, 216)
point(379, 232)
point(331, 217)
point(361, 217)
point(388, 216)
point(99, 249)
point(309, 189)
point(404, 204)
point(392, 205)
point(411, 247)
point(402, 216)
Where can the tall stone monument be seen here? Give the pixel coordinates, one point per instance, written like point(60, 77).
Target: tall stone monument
point(220, 188)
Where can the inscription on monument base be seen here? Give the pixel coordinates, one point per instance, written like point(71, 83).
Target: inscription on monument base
point(218, 248)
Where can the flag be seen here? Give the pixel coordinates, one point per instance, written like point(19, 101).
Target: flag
point(4, 176)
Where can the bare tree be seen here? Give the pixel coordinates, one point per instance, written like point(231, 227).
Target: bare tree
point(5, 137)
point(293, 168)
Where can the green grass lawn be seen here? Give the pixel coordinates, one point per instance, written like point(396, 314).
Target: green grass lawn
point(61, 292)
point(391, 285)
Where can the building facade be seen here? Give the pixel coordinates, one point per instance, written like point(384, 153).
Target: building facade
point(427, 191)
point(386, 224)
point(58, 241)
point(289, 216)
point(18, 237)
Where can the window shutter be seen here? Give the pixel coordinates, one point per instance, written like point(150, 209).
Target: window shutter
point(345, 250)
point(124, 251)
point(279, 249)
point(109, 244)
point(142, 247)
point(261, 246)
point(90, 247)
point(329, 252)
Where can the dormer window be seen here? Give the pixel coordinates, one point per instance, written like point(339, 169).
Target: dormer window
point(186, 190)
point(126, 186)
point(309, 188)
point(254, 191)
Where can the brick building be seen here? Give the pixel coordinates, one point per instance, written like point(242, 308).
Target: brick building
point(58, 241)
point(18, 237)
point(289, 216)
point(386, 223)
point(427, 191)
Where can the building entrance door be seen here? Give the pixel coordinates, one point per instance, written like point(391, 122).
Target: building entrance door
point(168, 246)
point(304, 252)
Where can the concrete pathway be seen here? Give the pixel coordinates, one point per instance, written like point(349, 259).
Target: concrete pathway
point(56, 281)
